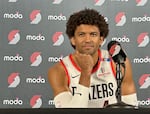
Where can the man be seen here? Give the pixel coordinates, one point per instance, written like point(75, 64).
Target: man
point(84, 79)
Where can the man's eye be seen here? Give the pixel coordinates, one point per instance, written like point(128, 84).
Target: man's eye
point(81, 34)
point(93, 34)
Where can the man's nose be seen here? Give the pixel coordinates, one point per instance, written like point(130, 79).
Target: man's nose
point(87, 38)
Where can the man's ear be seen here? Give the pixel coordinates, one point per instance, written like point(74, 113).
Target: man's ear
point(101, 41)
point(101, 38)
point(72, 41)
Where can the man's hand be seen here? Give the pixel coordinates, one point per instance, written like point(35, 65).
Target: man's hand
point(85, 61)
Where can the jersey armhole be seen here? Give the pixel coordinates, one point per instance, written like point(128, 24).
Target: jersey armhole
point(67, 74)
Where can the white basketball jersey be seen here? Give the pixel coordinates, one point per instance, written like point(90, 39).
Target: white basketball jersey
point(103, 82)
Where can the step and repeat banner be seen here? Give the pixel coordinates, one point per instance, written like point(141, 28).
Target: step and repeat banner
point(32, 39)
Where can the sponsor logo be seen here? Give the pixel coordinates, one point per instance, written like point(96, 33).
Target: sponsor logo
point(17, 15)
point(102, 74)
point(55, 17)
point(17, 101)
point(35, 80)
point(121, 39)
point(14, 37)
point(57, 38)
point(13, 58)
point(143, 39)
point(35, 17)
point(99, 2)
point(145, 18)
point(120, 19)
point(12, 0)
point(36, 101)
point(36, 59)
point(51, 102)
point(75, 76)
point(144, 102)
point(55, 59)
point(57, 1)
point(144, 81)
point(141, 2)
point(142, 60)
point(34, 37)
point(13, 80)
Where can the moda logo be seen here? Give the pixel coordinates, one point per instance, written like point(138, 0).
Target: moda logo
point(142, 60)
point(144, 102)
point(57, 38)
point(36, 59)
point(145, 18)
point(35, 80)
point(13, 80)
point(120, 19)
point(35, 37)
point(144, 81)
point(35, 17)
point(36, 101)
point(60, 17)
point(14, 37)
point(121, 39)
point(16, 101)
point(57, 1)
point(12, 0)
point(51, 102)
point(13, 58)
point(55, 59)
point(99, 2)
point(17, 15)
point(143, 39)
point(141, 2)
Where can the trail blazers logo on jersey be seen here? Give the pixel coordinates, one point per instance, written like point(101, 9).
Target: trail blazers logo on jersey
point(99, 91)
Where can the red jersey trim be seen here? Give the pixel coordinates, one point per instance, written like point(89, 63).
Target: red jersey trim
point(98, 65)
point(73, 63)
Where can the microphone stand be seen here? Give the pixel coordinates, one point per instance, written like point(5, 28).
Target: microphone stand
point(119, 78)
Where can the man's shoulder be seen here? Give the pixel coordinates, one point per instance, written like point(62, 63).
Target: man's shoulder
point(56, 68)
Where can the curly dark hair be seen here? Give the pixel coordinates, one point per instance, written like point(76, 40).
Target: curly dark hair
point(89, 17)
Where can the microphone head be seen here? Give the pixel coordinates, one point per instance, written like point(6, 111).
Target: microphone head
point(116, 52)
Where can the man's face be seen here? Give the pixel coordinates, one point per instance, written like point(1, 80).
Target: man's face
point(87, 39)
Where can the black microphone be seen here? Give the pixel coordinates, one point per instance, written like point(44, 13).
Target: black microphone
point(116, 52)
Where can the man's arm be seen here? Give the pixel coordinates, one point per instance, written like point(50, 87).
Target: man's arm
point(128, 86)
point(63, 98)
point(128, 89)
